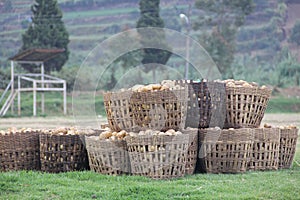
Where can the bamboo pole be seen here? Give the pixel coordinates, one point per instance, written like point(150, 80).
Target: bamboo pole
point(12, 85)
point(43, 94)
point(19, 96)
point(65, 97)
point(34, 98)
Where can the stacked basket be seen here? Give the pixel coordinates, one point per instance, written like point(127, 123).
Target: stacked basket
point(153, 118)
point(218, 122)
point(241, 145)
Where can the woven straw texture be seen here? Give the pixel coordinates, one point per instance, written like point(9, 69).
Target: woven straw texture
point(265, 153)
point(287, 149)
point(158, 157)
point(245, 107)
point(19, 151)
point(224, 151)
point(160, 110)
point(206, 103)
point(192, 151)
point(107, 157)
point(62, 153)
point(119, 112)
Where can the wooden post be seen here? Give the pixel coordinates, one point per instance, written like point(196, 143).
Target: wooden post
point(65, 97)
point(34, 98)
point(19, 96)
point(43, 94)
point(12, 85)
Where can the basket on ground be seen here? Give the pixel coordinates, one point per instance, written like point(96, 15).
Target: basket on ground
point(160, 110)
point(224, 151)
point(206, 103)
point(265, 152)
point(158, 156)
point(19, 151)
point(119, 112)
point(287, 148)
point(62, 153)
point(245, 106)
point(192, 150)
point(107, 157)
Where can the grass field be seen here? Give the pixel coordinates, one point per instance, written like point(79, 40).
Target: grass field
point(282, 184)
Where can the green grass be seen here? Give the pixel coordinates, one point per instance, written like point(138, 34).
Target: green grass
point(283, 105)
point(53, 104)
point(98, 13)
point(282, 184)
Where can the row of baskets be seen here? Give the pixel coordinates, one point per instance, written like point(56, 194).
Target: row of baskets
point(159, 157)
point(200, 150)
point(193, 104)
point(46, 152)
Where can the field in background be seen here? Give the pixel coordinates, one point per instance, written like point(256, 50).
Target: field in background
point(67, 121)
point(54, 105)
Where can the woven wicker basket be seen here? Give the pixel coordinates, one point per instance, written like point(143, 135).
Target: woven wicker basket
point(62, 153)
point(192, 151)
point(158, 157)
point(287, 148)
point(245, 107)
point(265, 152)
point(107, 157)
point(19, 151)
point(160, 110)
point(224, 151)
point(206, 103)
point(119, 112)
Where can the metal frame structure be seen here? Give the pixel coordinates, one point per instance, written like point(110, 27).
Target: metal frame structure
point(39, 82)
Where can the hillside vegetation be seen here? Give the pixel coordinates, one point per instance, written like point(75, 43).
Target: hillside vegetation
point(260, 42)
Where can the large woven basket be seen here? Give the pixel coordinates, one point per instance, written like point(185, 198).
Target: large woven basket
point(62, 153)
point(265, 152)
point(224, 151)
point(158, 157)
point(206, 103)
point(107, 157)
point(19, 151)
point(119, 112)
point(287, 149)
point(192, 150)
point(160, 110)
point(245, 107)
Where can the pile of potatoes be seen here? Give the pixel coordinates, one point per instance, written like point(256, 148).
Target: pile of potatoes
point(110, 135)
point(61, 131)
point(290, 127)
point(164, 85)
point(242, 83)
point(68, 131)
point(14, 130)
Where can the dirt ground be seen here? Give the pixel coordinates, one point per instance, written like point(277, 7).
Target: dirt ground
point(54, 122)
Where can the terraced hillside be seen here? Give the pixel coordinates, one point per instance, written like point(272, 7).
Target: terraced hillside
point(87, 25)
point(263, 36)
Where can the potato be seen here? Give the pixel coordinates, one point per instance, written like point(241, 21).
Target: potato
point(164, 87)
point(155, 86)
point(136, 88)
point(267, 126)
point(152, 148)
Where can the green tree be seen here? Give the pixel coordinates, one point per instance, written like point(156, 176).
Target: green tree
point(150, 17)
point(295, 35)
point(7, 5)
point(47, 30)
point(222, 18)
point(289, 69)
